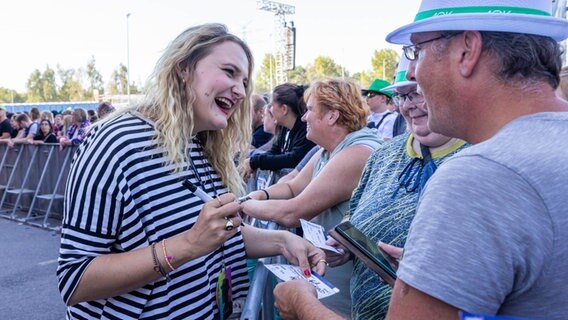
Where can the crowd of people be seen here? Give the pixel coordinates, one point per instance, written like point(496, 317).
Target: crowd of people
point(68, 127)
point(453, 168)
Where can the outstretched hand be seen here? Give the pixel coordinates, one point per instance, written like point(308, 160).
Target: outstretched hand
point(290, 293)
point(300, 252)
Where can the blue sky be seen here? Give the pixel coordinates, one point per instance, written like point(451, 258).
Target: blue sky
point(36, 33)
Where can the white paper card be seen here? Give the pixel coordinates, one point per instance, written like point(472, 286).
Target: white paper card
point(315, 234)
point(286, 272)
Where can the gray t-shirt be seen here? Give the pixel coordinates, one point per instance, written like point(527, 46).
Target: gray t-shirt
point(491, 231)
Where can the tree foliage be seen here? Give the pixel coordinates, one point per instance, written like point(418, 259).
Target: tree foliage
point(364, 78)
point(384, 64)
point(41, 86)
point(82, 83)
point(299, 75)
point(94, 77)
point(265, 74)
point(324, 67)
point(10, 96)
point(71, 88)
point(119, 80)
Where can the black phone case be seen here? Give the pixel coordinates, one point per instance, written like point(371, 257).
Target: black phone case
point(376, 266)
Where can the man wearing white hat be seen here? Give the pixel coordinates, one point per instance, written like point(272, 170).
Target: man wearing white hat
point(490, 234)
point(492, 239)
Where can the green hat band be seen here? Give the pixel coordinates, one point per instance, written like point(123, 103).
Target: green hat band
point(492, 9)
point(400, 76)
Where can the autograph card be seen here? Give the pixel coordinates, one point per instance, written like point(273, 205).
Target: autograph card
point(315, 234)
point(286, 272)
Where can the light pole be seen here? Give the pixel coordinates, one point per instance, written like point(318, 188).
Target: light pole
point(127, 59)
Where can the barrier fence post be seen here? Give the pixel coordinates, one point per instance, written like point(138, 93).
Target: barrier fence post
point(52, 197)
point(23, 189)
point(40, 181)
point(17, 149)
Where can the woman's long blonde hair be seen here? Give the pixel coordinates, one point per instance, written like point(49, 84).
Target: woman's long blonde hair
point(168, 104)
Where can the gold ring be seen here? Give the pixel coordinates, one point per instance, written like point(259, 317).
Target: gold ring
point(327, 264)
point(220, 203)
point(229, 225)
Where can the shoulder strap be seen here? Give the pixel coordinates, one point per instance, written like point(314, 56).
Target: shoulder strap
point(381, 121)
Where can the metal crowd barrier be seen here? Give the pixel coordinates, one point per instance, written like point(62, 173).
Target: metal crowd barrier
point(32, 183)
point(260, 295)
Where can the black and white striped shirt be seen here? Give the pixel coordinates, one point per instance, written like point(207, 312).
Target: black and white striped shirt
point(120, 197)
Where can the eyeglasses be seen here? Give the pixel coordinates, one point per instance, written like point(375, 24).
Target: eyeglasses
point(400, 98)
point(411, 51)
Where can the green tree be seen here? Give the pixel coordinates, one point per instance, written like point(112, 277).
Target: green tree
point(266, 72)
point(71, 88)
point(384, 64)
point(118, 80)
point(49, 85)
point(9, 96)
point(364, 78)
point(324, 67)
point(41, 87)
point(298, 75)
point(95, 78)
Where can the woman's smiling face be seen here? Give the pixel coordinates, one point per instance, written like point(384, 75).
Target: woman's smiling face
point(219, 85)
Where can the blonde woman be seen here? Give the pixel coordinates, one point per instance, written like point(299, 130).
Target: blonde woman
point(135, 243)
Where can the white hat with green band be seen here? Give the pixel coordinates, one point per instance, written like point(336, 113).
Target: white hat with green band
point(518, 16)
point(400, 78)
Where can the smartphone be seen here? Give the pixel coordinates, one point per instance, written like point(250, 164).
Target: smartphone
point(365, 249)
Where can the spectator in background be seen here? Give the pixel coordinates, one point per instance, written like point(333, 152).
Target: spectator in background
point(92, 115)
point(78, 129)
point(57, 124)
point(48, 115)
point(399, 125)
point(562, 90)
point(33, 127)
point(259, 135)
point(65, 125)
point(45, 134)
point(271, 126)
point(24, 135)
point(104, 109)
point(15, 126)
point(5, 127)
point(381, 118)
point(291, 146)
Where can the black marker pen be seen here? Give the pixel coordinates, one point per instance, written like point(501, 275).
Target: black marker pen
point(198, 192)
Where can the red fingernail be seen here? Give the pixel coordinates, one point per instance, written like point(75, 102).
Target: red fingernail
point(307, 272)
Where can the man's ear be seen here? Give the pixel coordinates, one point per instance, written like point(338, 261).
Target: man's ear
point(471, 48)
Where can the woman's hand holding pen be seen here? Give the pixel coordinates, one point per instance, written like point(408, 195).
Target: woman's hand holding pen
point(211, 229)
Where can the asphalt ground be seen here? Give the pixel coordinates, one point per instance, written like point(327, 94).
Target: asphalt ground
point(28, 261)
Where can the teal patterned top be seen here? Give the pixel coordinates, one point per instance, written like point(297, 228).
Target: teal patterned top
point(383, 210)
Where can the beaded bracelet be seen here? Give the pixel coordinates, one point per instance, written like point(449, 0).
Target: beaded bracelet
point(157, 266)
point(266, 193)
point(166, 256)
